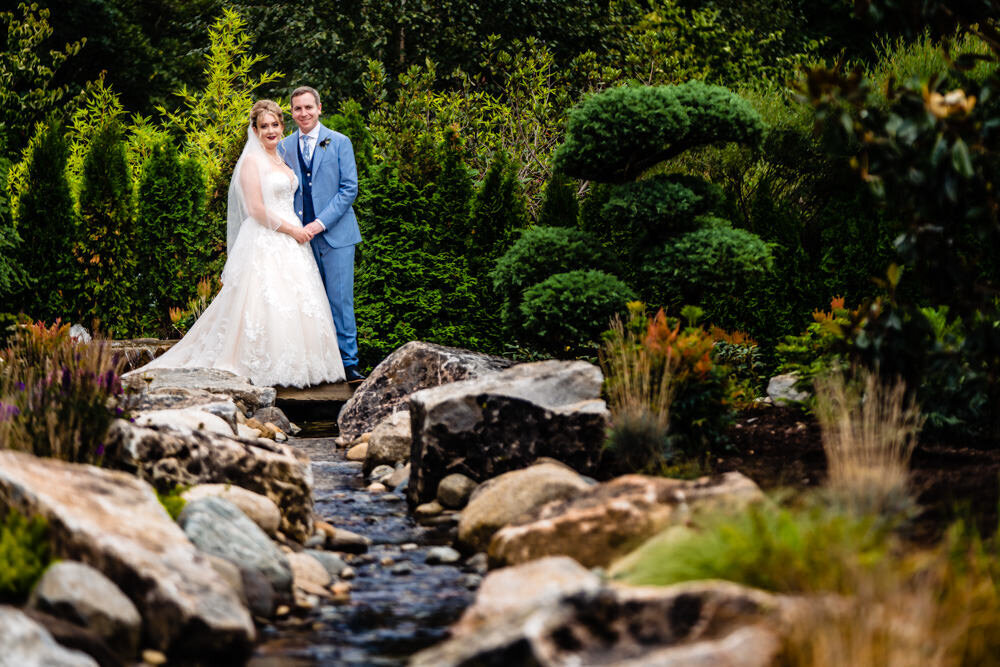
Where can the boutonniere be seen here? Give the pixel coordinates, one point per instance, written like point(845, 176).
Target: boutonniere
point(323, 144)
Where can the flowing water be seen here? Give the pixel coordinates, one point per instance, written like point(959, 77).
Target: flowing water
point(399, 603)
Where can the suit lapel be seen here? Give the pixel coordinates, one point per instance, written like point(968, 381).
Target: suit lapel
point(319, 152)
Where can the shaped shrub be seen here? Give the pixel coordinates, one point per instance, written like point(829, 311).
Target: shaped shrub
point(712, 267)
point(616, 135)
point(542, 252)
point(566, 313)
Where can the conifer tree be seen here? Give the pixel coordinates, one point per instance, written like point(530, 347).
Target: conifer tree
point(498, 213)
point(452, 198)
point(46, 221)
point(106, 250)
point(173, 247)
point(560, 207)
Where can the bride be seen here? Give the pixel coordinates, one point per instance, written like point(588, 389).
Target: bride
point(271, 321)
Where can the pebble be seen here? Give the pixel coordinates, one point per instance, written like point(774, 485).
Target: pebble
point(442, 555)
point(478, 563)
point(376, 487)
point(390, 497)
point(402, 568)
point(348, 573)
point(386, 561)
point(153, 657)
point(471, 581)
point(409, 546)
point(381, 473)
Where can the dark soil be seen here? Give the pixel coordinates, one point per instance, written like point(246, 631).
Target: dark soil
point(782, 448)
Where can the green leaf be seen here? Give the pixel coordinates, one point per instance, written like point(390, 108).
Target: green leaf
point(961, 160)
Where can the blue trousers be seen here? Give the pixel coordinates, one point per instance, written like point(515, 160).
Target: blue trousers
point(336, 267)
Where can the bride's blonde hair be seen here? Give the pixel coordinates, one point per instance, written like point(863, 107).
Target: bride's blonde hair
point(261, 107)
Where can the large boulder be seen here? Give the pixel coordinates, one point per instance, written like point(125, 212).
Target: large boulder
point(216, 526)
point(505, 498)
point(25, 643)
point(81, 594)
point(167, 458)
point(504, 421)
point(610, 519)
point(113, 522)
point(390, 442)
point(412, 367)
point(699, 623)
point(180, 398)
point(184, 419)
point(212, 380)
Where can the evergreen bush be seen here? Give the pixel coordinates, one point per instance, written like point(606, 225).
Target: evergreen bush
point(539, 253)
point(713, 266)
point(452, 199)
point(566, 313)
point(106, 251)
point(173, 249)
point(46, 221)
point(11, 272)
point(498, 213)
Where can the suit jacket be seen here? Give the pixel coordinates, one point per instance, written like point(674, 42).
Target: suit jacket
point(334, 185)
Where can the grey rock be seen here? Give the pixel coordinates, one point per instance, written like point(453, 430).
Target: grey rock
point(259, 508)
point(347, 542)
point(390, 442)
point(382, 472)
point(113, 522)
point(79, 334)
point(512, 495)
point(333, 563)
point(412, 367)
point(442, 556)
point(478, 562)
point(168, 458)
point(25, 643)
point(81, 594)
point(185, 420)
point(218, 527)
point(455, 490)
point(781, 390)
point(484, 427)
point(402, 569)
point(399, 477)
point(208, 379)
point(260, 596)
point(179, 398)
point(275, 416)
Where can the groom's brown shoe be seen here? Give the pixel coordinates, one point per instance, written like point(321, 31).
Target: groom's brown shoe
point(353, 374)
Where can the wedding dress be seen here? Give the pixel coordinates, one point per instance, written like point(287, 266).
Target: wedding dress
point(271, 320)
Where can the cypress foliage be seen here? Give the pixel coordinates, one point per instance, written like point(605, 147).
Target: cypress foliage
point(452, 198)
point(350, 121)
point(11, 274)
point(47, 224)
point(174, 241)
point(106, 249)
point(498, 213)
point(560, 207)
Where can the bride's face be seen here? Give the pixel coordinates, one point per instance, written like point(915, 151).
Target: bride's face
point(269, 130)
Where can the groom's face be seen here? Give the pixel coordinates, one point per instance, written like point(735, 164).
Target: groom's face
point(305, 111)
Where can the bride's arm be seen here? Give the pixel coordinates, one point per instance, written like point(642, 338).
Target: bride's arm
point(250, 181)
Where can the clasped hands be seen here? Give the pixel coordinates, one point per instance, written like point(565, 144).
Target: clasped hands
point(307, 232)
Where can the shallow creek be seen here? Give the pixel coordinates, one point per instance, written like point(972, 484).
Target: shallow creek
point(396, 608)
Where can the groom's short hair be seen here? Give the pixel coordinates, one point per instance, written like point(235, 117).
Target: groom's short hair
point(302, 90)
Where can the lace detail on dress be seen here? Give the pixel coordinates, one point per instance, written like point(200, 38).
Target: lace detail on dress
point(271, 321)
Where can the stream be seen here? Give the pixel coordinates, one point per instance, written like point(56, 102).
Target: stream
point(399, 603)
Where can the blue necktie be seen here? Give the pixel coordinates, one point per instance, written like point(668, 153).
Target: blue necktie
point(307, 148)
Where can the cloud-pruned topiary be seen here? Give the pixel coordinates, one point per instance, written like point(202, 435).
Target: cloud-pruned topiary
point(616, 135)
point(539, 253)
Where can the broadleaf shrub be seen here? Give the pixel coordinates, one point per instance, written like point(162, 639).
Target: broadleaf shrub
point(566, 313)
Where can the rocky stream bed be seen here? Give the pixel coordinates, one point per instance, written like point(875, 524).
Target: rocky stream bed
point(399, 603)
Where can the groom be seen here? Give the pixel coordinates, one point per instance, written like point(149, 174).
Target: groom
point(328, 184)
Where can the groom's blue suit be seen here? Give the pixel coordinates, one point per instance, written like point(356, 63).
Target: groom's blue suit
point(332, 181)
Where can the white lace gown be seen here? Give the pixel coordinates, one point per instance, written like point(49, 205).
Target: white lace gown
point(271, 321)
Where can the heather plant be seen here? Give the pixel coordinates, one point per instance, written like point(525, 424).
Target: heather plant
point(24, 552)
point(58, 397)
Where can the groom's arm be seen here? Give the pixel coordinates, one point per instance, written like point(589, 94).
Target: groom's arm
point(347, 189)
